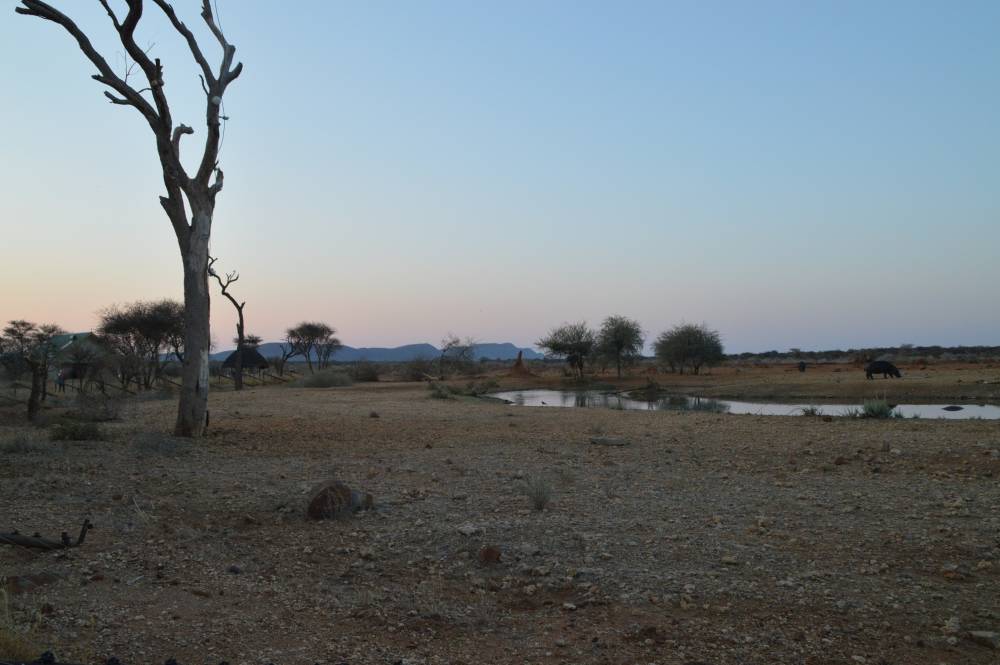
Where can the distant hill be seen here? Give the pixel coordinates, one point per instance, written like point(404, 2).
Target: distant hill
point(347, 354)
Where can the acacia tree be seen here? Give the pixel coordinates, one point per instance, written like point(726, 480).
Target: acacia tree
point(143, 336)
point(620, 339)
point(32, 344)
point(456, 352)
point(689, 345)
point(241, 340)
point(572, 341)
point(312, 337)
point(190, 199)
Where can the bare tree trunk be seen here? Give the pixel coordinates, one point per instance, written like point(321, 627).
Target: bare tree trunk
point(193, 403)
point(198, 189)
point(37, 382)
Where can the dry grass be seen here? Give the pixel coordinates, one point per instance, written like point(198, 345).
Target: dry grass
point(538, 490)
point(16, 643)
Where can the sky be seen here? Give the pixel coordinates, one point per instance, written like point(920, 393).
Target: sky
point(813, 175)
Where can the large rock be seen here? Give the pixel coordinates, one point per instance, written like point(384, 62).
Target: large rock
point(332, 498)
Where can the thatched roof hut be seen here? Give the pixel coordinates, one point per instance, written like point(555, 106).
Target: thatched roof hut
point(251, 360)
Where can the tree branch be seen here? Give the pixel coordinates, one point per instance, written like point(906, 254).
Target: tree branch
point(217, 186)
point(176, 139)
point(107, 76)
point(188, 37)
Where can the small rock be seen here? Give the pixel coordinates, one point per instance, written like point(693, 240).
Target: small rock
point(986, 638)
point(608, 441)
point(234, 569)
point(332, 498)
point(489, 556)
point(469, 529)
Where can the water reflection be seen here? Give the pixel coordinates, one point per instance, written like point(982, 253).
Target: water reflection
point(593, 398)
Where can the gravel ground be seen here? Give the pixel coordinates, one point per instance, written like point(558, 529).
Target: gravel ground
point(705, 539)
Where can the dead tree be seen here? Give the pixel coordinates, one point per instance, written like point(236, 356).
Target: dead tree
point(38, 542)
point(231, 277)
point(194, 229)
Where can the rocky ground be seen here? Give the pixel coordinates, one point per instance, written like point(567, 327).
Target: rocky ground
point(706, 538)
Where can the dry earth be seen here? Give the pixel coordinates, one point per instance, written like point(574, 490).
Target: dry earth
point(708, 538)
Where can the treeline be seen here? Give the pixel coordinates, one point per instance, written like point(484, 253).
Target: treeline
point(903, 351)
point(619, 343)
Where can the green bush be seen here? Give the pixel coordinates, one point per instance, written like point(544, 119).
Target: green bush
point(76, 431)
point(330, 378)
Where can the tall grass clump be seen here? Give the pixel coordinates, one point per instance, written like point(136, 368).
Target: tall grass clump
point(812, 410)
point(539, 492)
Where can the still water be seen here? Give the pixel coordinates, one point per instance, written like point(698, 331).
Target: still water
point(594, 398)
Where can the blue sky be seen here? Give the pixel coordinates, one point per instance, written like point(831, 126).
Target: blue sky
point(808, 175)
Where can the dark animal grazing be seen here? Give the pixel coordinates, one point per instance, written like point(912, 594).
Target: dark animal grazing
point(886, 369)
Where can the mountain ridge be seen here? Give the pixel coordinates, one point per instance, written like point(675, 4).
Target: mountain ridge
point(406, 352)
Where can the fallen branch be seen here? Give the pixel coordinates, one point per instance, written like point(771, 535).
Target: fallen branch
point(37, 542)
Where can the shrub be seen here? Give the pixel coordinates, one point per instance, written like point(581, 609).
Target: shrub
point(876, 408)
point(440, 391)
point(812, 410)
point(364, 371)
point(76, 431)
point(327, 379)
point(98, 407)
point(417, 369)
point(539, 492)
point(20, 445)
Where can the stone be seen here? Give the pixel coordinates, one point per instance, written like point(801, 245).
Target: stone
point(986, 638)
point(608, 441)
point(332, 498)
point(469, 529)
point(489, 556)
